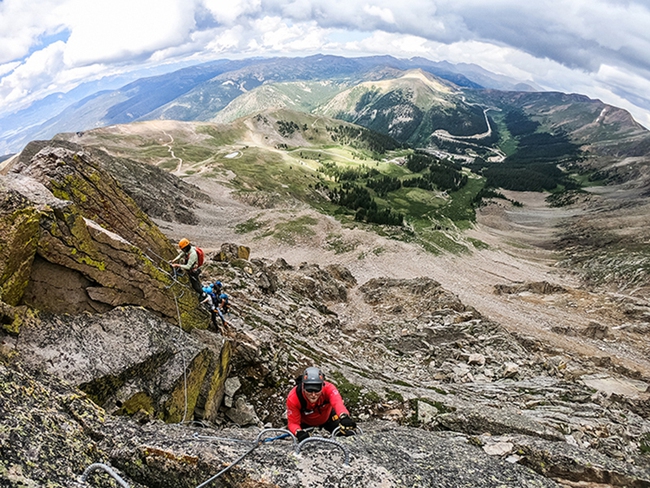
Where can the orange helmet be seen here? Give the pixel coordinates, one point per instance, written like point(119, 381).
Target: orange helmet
point(183, 243)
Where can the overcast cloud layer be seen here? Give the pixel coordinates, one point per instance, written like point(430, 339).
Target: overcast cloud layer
point(600, 48)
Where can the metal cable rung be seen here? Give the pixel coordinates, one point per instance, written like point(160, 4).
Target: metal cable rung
point(309, 440)
point(108, 469)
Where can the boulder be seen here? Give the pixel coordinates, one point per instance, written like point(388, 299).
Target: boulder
point(129, 360)
point(471, 420)
point(231, 252)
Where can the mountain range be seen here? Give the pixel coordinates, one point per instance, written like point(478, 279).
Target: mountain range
point(200, 92)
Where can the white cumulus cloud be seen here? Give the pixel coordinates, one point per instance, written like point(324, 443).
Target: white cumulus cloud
point(597, 47)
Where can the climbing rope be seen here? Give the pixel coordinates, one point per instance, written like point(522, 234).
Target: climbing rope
point(182, 352)
point(178, 341)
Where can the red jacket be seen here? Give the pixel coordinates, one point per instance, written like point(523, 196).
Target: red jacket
point(316, 414)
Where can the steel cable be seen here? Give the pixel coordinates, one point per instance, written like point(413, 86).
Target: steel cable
point(235, 462)
point(108, 469)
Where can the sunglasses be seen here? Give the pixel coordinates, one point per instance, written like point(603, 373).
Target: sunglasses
point(313, 388)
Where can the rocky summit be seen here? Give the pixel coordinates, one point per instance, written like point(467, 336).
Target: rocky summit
point(112, 374)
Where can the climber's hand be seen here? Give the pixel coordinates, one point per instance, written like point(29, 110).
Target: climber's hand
point(301, 435)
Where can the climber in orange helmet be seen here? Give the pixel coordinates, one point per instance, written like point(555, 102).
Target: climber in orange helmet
point(189, 261)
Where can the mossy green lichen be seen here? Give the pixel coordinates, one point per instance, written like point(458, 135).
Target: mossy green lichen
point(371, 397)
point(137, 403)
point(439, 406)
point(217, 382)
point(351, 393)
point(394, 396)
point(101, 389)
point(644, 443)
point(13, 325)
point(19, 233)
point(182, 401)
point(100, 265)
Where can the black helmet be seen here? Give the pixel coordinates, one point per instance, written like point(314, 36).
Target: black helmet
point(312, 380)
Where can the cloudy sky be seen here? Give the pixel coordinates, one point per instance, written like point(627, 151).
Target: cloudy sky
point(600, 48)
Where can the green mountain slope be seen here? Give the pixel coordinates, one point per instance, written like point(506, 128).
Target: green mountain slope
point(303, 96)
point(341, 169)
point(367, 179)
point(409, 107)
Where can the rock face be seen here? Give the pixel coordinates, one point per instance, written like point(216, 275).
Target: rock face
point(93, 360)
point(155, 454)
point(410, 352)
point(78, 258)
point(130, 361)
point(157, 193)
point(74, 241)
point(471, 423)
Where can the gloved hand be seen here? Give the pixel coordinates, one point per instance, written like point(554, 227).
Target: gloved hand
point(301, 435)
point(346, 423)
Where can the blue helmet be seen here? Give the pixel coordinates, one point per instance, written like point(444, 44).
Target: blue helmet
point(207, 289)
point(218, 284)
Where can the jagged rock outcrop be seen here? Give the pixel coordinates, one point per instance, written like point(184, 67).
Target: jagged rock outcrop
point(541, 288)
point(74, 241)
point(158, 193)
point(76, 177)
point(129, 361)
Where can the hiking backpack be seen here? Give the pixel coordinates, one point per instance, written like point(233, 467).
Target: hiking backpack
point(201, 256)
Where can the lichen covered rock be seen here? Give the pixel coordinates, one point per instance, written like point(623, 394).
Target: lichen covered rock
point(19, 234)
point(90, 248)
point(128, 360)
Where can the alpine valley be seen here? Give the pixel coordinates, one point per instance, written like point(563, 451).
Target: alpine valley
point(466, 257)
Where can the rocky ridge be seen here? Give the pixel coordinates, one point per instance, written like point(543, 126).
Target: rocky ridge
point(445, 396)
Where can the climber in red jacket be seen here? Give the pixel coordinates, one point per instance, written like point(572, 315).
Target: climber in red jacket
point(315, 402)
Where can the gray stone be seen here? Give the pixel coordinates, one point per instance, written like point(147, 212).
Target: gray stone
point(476, 359)
point(232, 385)
point(243, 414)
